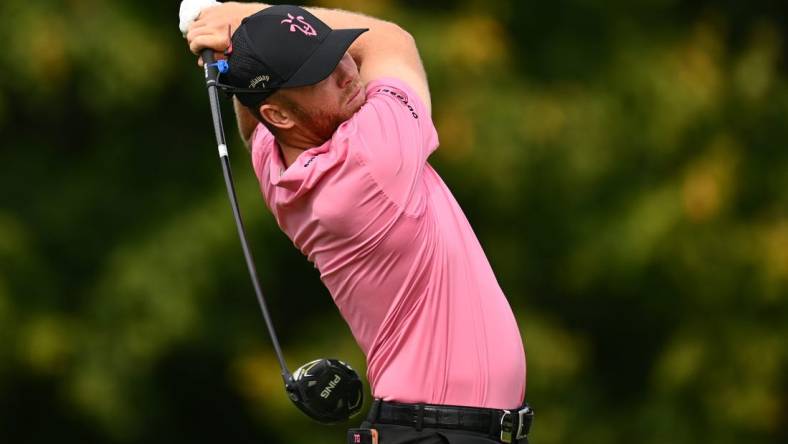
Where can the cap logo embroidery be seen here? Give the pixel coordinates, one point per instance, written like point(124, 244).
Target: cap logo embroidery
point(302, 25)
point(258, 80)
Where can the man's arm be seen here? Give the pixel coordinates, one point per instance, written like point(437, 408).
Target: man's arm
point(386, 50)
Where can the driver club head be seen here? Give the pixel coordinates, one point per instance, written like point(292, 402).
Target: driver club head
point(327, 390)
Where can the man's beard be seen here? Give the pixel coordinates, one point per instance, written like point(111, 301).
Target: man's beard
point(320, 123)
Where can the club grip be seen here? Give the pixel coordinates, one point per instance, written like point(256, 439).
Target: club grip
point(211, 71)
point(207, 55)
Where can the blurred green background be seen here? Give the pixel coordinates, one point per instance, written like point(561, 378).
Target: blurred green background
point(624, 164)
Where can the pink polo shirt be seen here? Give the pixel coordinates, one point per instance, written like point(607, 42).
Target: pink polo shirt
point(398, 255)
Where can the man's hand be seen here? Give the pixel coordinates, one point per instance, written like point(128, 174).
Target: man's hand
point(216, 24)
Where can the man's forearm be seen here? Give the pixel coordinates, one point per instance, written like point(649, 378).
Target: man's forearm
point(381, 33)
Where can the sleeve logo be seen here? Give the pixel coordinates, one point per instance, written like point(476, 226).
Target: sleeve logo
point(401, 98)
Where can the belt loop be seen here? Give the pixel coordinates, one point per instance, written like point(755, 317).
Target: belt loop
point(419, 417)
point(374, 411)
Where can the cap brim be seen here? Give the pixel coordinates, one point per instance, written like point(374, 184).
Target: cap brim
point(325, 59)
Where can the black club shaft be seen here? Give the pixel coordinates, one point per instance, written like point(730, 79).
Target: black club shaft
point(211, 75)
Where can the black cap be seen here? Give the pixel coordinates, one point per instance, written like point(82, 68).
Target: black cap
point(282, 47)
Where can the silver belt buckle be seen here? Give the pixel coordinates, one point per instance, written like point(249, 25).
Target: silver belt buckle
point(523, 418)
point(508, 432)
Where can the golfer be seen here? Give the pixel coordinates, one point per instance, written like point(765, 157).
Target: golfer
point(335, 109)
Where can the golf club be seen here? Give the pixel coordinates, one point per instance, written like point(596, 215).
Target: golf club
point(326, 390)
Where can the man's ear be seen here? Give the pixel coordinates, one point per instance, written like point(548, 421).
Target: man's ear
point(277, 116)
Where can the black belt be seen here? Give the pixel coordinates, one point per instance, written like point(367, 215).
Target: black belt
point(510, 426)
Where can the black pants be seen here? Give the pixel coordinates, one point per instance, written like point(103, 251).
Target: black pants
point(393, 434)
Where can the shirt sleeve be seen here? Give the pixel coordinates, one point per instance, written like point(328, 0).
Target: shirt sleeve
point(395, 136)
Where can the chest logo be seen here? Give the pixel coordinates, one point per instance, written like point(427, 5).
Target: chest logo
point(309, 162)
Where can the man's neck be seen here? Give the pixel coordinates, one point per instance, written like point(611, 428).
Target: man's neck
point(291, 147)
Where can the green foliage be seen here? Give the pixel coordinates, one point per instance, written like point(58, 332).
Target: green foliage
point(624, 165)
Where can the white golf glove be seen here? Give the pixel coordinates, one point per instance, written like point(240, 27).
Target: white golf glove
point(190, 10)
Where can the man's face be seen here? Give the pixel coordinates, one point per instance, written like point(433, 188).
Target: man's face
point(320, 108)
